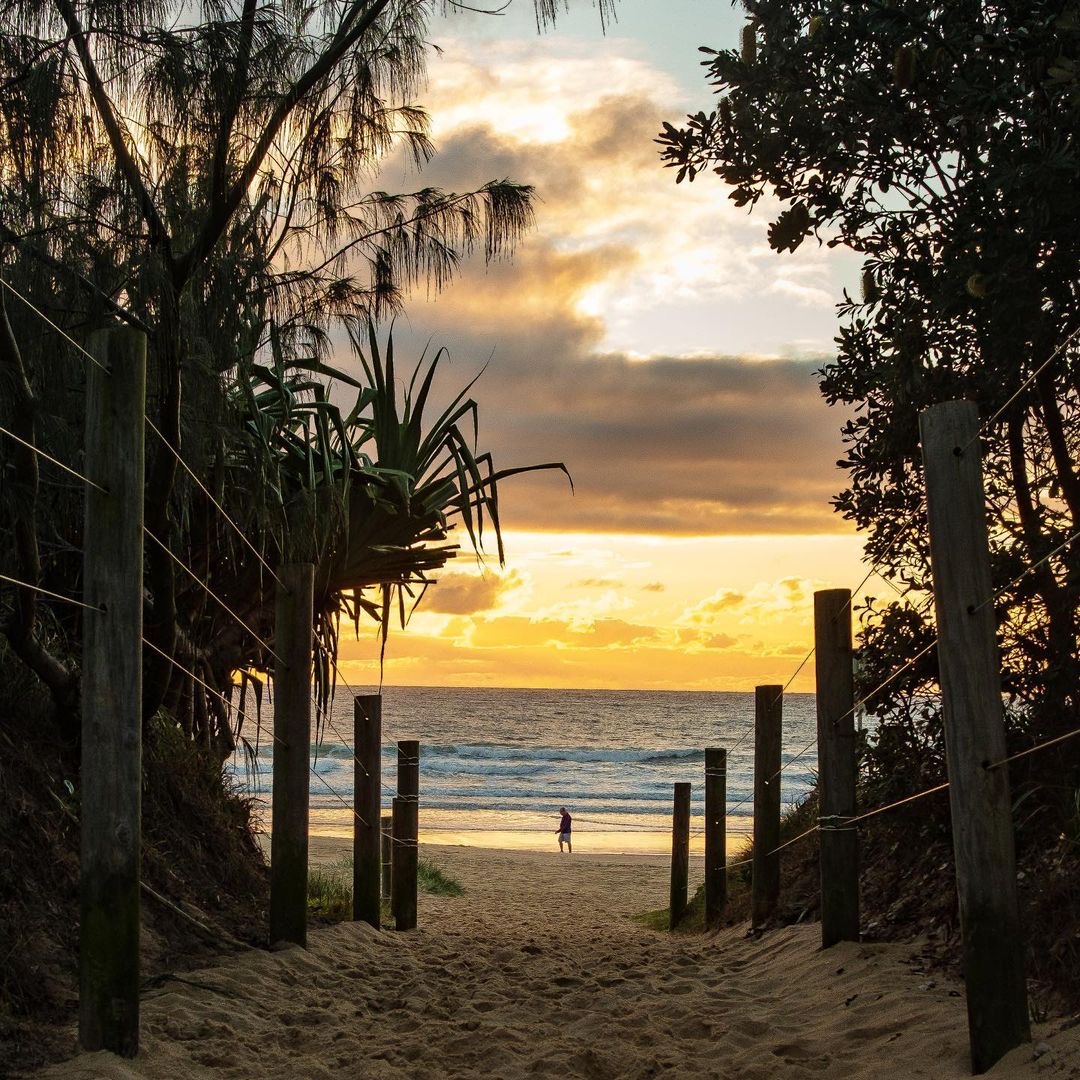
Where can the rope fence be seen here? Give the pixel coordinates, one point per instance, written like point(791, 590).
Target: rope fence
point(836, 824)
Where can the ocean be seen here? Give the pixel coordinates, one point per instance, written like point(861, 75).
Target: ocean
point(497, 764)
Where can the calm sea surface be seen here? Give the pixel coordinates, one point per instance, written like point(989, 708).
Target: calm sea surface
point(496, 764)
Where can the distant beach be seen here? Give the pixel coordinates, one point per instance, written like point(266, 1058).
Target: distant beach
point(539, 970)
point(496, 764)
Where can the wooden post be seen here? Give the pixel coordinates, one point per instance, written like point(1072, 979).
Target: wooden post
point(715, 835)
point(292, 752)
point(387, 853)
point(403, 890)
point(111, 775)
point(408, 768)
point(765, 887)
point(406, 818)
point(367, 838)
point(979, 801)
point(680, 854)
point(839, 860)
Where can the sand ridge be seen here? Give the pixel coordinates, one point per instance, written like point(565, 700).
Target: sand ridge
point(538, 971)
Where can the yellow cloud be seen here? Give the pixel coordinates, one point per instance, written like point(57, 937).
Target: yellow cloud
point(461, 594)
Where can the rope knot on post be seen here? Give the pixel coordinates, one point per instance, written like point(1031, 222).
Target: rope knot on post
point(840, 823)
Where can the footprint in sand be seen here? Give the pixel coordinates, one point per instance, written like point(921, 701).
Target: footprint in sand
point(797, 1054)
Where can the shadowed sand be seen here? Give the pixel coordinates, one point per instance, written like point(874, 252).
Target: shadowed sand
point(538, 971)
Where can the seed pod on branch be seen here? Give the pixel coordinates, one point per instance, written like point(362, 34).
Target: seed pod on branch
point(870, 290)
point(904, 67)
point(749, 44)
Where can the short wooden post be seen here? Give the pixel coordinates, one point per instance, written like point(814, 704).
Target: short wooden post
point(367, 837)
point(403, 890)
point(680, 854)
point(839, 859)
point(111, 775)
point(406, 831)
point(982, 829)
point(408, 768)
point(765, 887)
point(387, 853)
point(715, 835)
point(292, 752)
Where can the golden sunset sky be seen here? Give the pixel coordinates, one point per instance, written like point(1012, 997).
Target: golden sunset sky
point(645, 335)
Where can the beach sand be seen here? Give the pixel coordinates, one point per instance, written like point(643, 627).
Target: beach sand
point(538, 971)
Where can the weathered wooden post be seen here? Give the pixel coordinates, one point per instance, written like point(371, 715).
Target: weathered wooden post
point(680, 854)
point(403, 889)
point(292, 751)
point(367, 836)
point(765, 885)
point(387, 853)
point(979, 802)
point(839, 859)
point(111, 774)
point(715, 835)
point(405, 828)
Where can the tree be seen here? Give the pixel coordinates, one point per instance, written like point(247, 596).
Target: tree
point(939, 141)
point(204, 172)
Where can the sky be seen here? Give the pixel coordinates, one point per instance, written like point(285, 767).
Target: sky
point(643, 334)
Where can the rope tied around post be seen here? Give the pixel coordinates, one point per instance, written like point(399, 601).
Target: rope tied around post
point(844, 823)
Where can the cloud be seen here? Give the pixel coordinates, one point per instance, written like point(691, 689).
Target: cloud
point(523, 632)
point(463, 594)
point(724, 600)
point(598, 583)
point(707, 443)
point(654, 586)
point(606, 633)
point(704, 640)
point(789, 600)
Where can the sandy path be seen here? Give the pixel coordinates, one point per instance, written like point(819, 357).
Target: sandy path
point(538, 972)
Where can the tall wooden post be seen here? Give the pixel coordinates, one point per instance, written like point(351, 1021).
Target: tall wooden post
point(680, 854)
point(292, 753)
point(715, 835)
point(387, 853)
point(979, 800)
point(839, 860)
point(111, 776)
point(765, 886)
point(405, 825)
point(367, 836)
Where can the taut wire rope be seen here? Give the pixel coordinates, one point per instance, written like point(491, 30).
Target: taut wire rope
point(153, 427)
point(206, 491)
point(210, 592)
point(48, 457)
point(41, 315)
point(1025, 384)
point(54, 595)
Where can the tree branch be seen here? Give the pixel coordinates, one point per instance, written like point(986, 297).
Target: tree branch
point(159, 235)
point(222, 210)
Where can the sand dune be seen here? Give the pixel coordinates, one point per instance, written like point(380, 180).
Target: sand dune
point(538, 972)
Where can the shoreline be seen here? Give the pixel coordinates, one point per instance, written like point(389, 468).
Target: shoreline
point(325, 850)
point(649, 845)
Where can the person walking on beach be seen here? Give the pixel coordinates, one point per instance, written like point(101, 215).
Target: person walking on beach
point(564, 830)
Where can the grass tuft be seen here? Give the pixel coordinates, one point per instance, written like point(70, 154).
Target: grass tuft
point(330, 888)
point(329, 893)
point(431, 879)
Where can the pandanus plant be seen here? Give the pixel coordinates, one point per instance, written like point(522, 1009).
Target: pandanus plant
point(371, 496)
